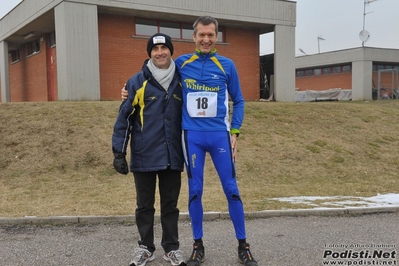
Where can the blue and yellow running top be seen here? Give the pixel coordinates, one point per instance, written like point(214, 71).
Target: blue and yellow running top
point(208, 80)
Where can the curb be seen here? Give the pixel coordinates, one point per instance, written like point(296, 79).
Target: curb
point(208, 216)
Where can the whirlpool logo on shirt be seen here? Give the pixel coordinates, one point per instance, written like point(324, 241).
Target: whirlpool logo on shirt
point(193, 85)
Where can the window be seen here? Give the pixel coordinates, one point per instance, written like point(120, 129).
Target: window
point(187, 31)
point(323, 71)
point(175, 30)
point(346, 68)
point(326, 70)
point(299, 73)
point(220, 36)
point(51, 39)
point(170, 28)
point(33, 47)
point(15, 57)
point(336, 69)
point(146, 27)
point(380, 67)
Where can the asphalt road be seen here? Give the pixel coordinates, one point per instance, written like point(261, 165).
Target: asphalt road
point(368, 239)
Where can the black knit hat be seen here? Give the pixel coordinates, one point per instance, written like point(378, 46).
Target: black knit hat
point(159, 38)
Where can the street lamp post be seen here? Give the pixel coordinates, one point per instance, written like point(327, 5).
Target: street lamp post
point(302, 51)
point(318, 42)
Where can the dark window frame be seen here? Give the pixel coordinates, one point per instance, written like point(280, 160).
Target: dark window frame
point(309, 72)
point(319, 71)
point(336, 69)
point(51, 39)
point(346, 69)
point(185, 29)
point(326, 70)
point(15, 56)
point(382, 66)
point(33, 47)
point(300, 73)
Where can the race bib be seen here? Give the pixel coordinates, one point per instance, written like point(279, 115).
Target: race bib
point(202, 104)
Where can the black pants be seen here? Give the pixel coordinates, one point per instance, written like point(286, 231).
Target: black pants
point(169, 190)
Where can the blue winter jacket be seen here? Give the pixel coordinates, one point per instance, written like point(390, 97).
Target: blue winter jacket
point(151, 118)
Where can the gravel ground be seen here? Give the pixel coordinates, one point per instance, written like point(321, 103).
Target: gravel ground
point(275, 241)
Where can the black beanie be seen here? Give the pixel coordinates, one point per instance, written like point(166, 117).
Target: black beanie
point(159, 38)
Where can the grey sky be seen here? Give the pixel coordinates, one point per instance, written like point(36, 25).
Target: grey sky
point(339, 22)
point(7, 5)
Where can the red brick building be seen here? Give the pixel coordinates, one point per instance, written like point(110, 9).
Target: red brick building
point(367, 72)
point(72, 50)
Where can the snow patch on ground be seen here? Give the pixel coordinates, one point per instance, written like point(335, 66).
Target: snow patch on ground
point(380, 200)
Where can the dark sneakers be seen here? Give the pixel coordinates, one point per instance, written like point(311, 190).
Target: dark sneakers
point(245, 256)
point(198, 255)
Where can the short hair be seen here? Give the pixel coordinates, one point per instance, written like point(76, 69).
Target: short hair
point(206, 20)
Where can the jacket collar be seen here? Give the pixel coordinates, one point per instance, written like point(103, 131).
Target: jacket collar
point(199, 53)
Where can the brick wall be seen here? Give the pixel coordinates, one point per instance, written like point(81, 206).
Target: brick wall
point(28, 77)
point(344, 81)
point(122, 55)
point(388, 83)
point(324, 82)
point(243, 49)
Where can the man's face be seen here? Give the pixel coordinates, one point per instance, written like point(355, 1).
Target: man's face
point(160, 56)
point(205, 38)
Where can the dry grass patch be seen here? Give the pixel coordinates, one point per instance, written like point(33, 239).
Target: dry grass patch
point(56, 157)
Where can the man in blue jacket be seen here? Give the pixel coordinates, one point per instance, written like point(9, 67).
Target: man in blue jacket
point(208, 81)
point(151, 118)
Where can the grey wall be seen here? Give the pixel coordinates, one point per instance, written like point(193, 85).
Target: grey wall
point(4, 72)
point(78, 68)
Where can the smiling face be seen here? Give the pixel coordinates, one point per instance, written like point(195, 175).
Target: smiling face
point(161, 56)
point(205, 37)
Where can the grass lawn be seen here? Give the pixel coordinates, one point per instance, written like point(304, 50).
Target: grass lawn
point(56, 157)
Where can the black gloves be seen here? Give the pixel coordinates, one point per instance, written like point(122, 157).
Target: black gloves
point(120, 164)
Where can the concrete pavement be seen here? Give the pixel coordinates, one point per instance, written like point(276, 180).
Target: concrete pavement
point(351, 236)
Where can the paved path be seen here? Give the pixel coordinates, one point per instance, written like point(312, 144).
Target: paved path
point(275, 241)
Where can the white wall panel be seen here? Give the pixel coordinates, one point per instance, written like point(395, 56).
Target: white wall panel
point(284, 64)
point(77, 52)
point(362, 75)
point(257, 11)
point(4, 72)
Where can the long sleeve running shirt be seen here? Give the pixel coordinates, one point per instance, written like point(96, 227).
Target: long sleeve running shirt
point(208, 80)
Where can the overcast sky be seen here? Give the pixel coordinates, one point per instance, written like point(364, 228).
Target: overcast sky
point(338, 22)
